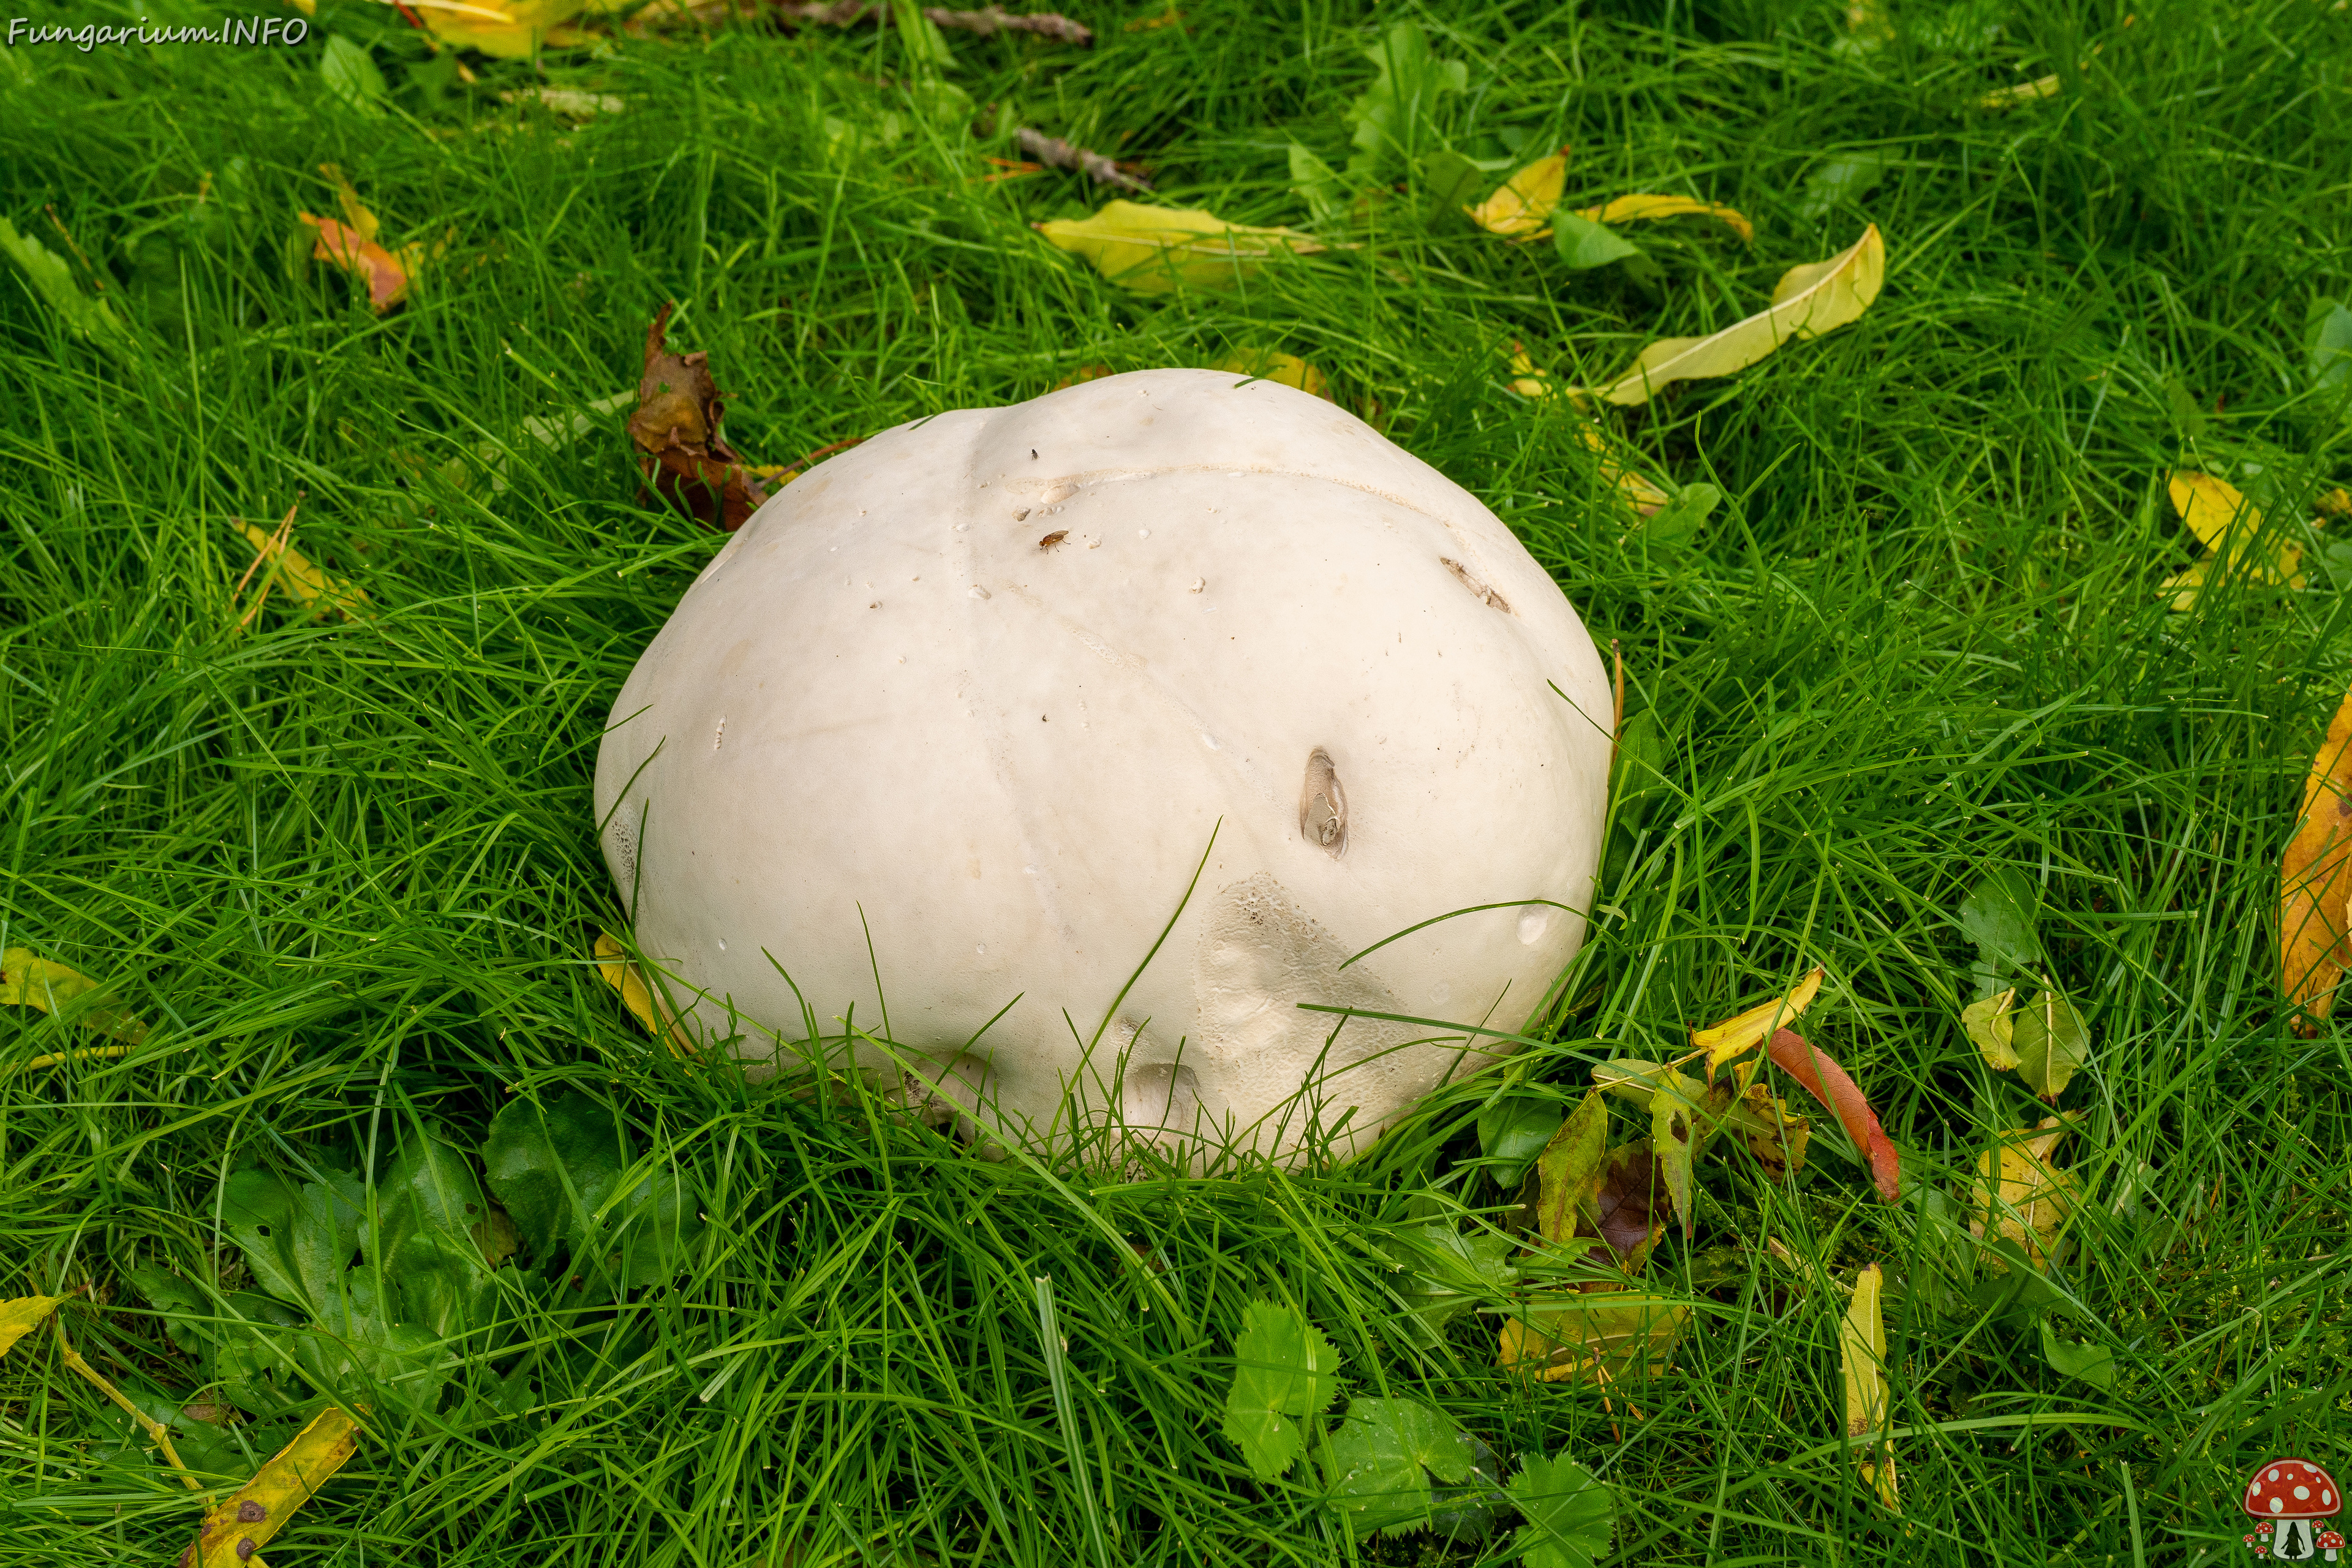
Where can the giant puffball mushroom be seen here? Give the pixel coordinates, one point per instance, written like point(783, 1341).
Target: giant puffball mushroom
point(979, 693)
point(2289, 1494)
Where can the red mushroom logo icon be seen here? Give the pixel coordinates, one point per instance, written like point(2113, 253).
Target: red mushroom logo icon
point(2288, 1495)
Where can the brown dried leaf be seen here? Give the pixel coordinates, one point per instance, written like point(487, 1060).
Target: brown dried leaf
point(676, 431)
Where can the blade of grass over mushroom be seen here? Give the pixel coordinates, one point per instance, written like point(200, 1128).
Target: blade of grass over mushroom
point(1454, 914)
point(1809, 300)
point(1751, 1026)
point(1153, 250)
point(258, 1510)
point(2315, 878)
point(1827, 1082)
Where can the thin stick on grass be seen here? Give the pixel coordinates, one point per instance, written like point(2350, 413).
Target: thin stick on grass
point(155, 1429)
point(1061, 154)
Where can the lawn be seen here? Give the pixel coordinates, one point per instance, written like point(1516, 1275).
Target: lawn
point(344, 870)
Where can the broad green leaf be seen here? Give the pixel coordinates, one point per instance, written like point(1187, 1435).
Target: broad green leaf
point(1991, 1025)
point(22, 1316)
point(2328, 335)
point(1396, 116)
point(358, 1348)
point(1809, 300)
point(1565, 1169)
point(1681, 517)
point(1513, 1131)
point(1674, 1138)
point(184, 1310)
point(652, 1228)
point(261, 1509)
point(1999, 916)
point(1317, 183)
point(1447, 180)
point(1594, 1337)
point(1570, 1516)
point(552, 1167)
point(1584, 244)
point(430, 1207)
point(1838, 180)
point(352, 77)
point(1283, 1370)
point(296, 1240)
point(2052, 1042)
point(1452, 1272)
point(53, 280)
point(1152, 250)
point(2089, 1362)
point(1862, 1369)
point(1376, 1456)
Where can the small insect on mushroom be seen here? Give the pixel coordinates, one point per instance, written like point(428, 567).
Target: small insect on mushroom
point(1052, 539)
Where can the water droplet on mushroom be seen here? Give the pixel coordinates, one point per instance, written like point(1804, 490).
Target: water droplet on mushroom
point(1323, 806)
point(981, 949)
point(1532, 925)
point(1142, 533)
point(722, 945)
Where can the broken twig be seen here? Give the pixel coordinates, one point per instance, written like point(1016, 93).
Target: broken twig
point(991, 20)
point(1062, 155)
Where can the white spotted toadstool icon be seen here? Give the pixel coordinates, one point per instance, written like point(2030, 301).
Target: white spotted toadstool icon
point(2288, 1494)
point(996, 789)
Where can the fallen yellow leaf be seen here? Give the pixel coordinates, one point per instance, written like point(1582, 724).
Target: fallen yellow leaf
point(312, 588)
point(232, 1532)
point(509, 29)
point(613, 963)
point(28, 981)
point(1522, 207)
point(22, 1316)
point(1992, 1025)
point(1267, 364)
point(1749, 1028)
point(1151, 250)
point(1862, 1360)
point(2023, 92)
point(1644, 496)
point(1810, 300)
point(2019, 1195)
point(2316, 879)
point(1597, 1337)
point(1625, 209)
point(2230, 527)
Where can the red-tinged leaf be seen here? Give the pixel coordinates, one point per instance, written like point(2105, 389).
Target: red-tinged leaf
point(364, 259)
point(679, 448)
point(1828, 1083)
point(1626, 1201)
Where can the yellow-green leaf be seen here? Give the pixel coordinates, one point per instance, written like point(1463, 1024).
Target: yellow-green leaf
point(1269, 364)
point(2052, 1042)
point(613, 963)
point(1750, 1027)
point(1862, 1359)
point(22, 1316)
point(1992, 1025)
point(245, 1522)
point(1674, 1137)
point(1810, 300)
point(1626, 209)
point(2021, 1197)
point(1151, 250)
point(508, 29)
point(1522, 207)
point(28, 981)
point(1772, 1134)
point(286, 567)
point(1595, 1337)
point(2230, 527)
point(1639, 493)
point(1565, 1169)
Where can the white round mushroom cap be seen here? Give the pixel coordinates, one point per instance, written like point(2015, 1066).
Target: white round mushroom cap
point(965, 706)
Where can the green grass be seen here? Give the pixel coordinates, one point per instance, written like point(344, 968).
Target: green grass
point(348, 871)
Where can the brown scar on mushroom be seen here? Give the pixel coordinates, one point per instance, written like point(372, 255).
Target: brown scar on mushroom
point(1323, 806)
point(1485, 596)
point(1052, 539)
